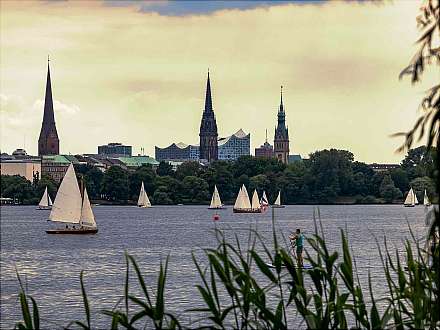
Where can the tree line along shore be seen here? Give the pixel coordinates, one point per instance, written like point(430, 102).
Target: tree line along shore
point(327, 177)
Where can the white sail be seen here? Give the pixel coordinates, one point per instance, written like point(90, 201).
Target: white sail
point(143, 200)
point(238, 201)
point(246, 200)
point(87, 216)
point(45, 200)
point(67, 204)
point(215, 200)
point(411, 198)
point(426, 201)
point(264, 201)
point(278, 200)
point(255, 200)
point(242, 201)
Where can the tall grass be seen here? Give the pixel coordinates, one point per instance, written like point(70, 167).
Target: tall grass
point(260, 287)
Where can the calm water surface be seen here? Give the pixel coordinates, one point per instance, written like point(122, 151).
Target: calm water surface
point(51, 264)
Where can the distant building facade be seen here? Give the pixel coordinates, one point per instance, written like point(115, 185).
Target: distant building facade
point(55, 166)
point(179, 152)
point(28, 168)
point(383, 167)
point(265, 150)
point(115, 150)
point(208, 129)
point(48, 142)
point(281, 139)
point(234, 146)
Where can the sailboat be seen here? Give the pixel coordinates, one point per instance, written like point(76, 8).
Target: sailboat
point(71, 208)
point(411, 199)
point(45, 202)
point(264, 201)
point(143, 200)
point(216, 202)
point(277, 203)
point(243, 203)
point(426, 201)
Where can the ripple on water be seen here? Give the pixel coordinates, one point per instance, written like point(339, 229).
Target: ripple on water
point(50, 264)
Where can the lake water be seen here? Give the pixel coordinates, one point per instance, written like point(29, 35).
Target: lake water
point(51, 264)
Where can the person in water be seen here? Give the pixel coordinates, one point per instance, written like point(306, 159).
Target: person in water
point(297, 239)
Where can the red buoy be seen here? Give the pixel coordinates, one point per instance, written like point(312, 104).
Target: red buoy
point(215, 217)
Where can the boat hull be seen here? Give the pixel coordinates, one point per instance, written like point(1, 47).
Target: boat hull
point(247, 211)
point(72, 231)
point(278, 206)
point(44, 208)
point(409, 205)
point(217, 208)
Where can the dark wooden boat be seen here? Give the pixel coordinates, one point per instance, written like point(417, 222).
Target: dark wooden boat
point(247, 210)
point(71, 231)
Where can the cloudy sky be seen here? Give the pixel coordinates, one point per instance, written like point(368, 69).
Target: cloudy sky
point(136, 72)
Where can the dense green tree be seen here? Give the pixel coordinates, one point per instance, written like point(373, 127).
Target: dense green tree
point(420, 184)
point(161, 196)
point(388, 190)
point(115, 184)
point(48, 182)
point(93, 180)
point(332, 173)
point(190, 168)
point(219, 173)
point(195, 190)
point(420, 162)
point(142, 174)
point(400, 179)
point(172, 187)
point(18, 188)
point(164, 169)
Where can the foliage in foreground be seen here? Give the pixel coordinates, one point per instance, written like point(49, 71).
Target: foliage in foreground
point(239, 290)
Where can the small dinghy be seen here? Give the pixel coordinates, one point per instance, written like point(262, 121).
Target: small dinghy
point(45, 202)
point(70, 208)
point(277, 203)
point(411, 199)
point(216, 202)
point(143, 200)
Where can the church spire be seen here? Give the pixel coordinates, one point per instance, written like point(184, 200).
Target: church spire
point(208, 99)
point(48, 116)
point(281, 102)
point(48, 142)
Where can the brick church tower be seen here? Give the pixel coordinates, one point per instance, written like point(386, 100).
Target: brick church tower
point(281, 140)
point(48, 142)
point(208, 129)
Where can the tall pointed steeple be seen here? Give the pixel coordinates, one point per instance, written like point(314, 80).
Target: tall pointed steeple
point(208, 128)
point(281, 139)
point(208, 98)
point(48, 142)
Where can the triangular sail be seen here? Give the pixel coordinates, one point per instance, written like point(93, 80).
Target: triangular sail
point(278, 200)
point(44, 202)
point(238, 201)
point(49, 200)
point(147, 200)
point(215, 200)
point(411, 198)
point(426, 201)
point(87, 216)
point(246, 200)
point(68, 202)
point(255, 200)
point(264, 201)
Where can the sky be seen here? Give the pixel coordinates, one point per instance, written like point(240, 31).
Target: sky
point(135, 72)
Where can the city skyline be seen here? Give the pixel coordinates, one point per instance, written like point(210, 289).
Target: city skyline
point(156, 99)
